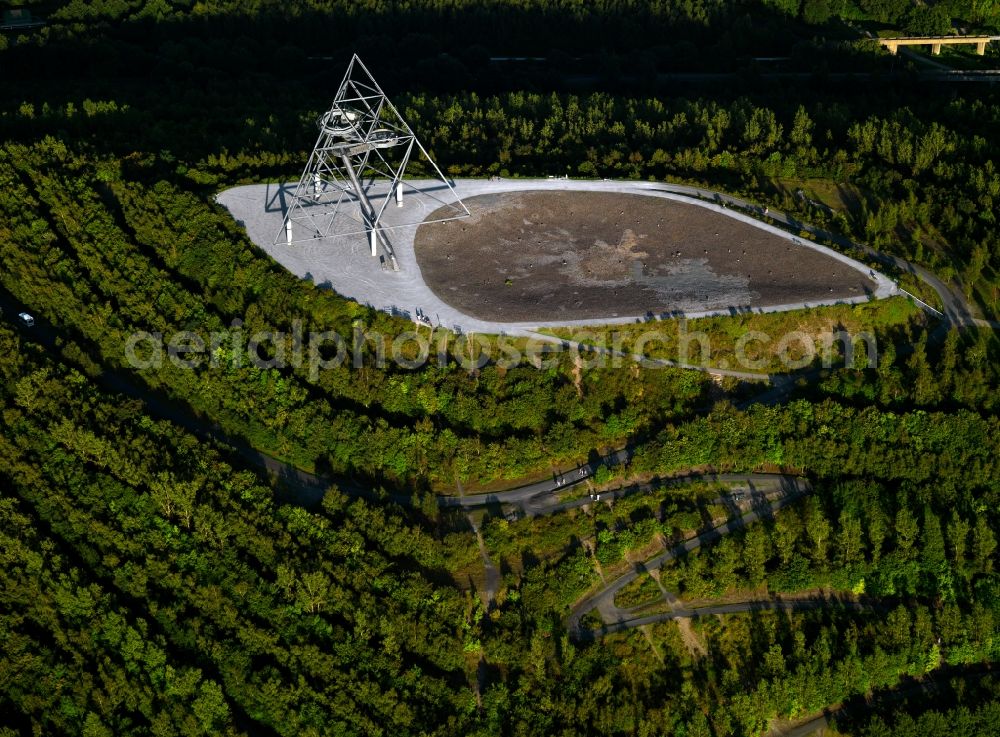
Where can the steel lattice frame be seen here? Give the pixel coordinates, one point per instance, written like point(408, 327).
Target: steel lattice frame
point(363, 144)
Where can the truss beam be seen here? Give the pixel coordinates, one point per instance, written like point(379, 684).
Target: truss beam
point(357, 167)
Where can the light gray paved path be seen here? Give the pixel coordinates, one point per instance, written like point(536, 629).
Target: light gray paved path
point(345, 264)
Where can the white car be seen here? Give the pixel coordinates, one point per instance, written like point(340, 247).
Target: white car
point(27, 320)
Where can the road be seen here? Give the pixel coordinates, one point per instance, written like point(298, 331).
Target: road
point(754, 484)
point(308, 489)
point(681, 611)
point(787, 489)
point(536, 498)
point(923, 59)
point(542, 497)
point(302, 487)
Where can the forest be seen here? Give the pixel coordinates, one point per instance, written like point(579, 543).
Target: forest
point(156, 583)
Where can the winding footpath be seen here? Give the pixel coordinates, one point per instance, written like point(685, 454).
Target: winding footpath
point(769, 493)
point(540, 497)
point(308, 489)
point(543, 497)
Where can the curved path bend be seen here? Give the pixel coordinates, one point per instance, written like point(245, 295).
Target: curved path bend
point(303, 487)
point(260, 209)
point(343, 263)
point(785, 490)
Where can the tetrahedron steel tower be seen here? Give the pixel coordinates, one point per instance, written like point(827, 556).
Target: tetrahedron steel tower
point(357, 167)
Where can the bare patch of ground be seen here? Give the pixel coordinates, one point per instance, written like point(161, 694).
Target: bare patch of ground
point(588, 545)
point(533, 255)
point(691, 641)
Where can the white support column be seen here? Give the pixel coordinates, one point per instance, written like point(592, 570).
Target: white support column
point(288, 231)
point(399, 194)
point(374, 239)
point(316, 185)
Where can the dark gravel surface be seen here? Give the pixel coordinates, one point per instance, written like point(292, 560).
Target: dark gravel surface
point(578, 255)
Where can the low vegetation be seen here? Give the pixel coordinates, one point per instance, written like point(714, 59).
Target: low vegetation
point(153, 584)
point(774, 342)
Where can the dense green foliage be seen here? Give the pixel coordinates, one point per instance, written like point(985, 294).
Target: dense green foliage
point(958, 701)
point(960, 371)
point(142, 535)
point(152, 585)
point(845, 538)
point(103, 256)
point(926, 537)
point(917, 178)
point(913, 173)
point(716, 341)
point(979, 721)
point(151, 588)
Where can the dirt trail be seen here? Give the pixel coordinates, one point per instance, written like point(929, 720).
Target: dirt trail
point(491, 574)
point(691, 641)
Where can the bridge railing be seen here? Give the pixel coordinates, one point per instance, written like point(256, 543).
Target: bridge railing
point(935, 42)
